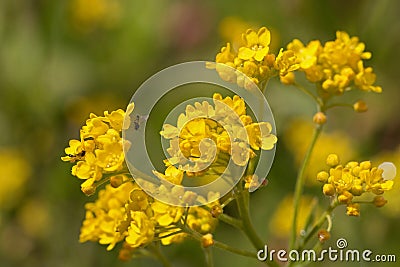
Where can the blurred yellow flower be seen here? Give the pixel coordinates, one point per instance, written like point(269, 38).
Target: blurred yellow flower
point(297, 137)
point(88, 15)
point(13, 176)
point(281, 221)
point(231, 29)
point(38, 227)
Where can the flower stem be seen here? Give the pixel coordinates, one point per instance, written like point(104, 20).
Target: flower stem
point(324, 217)
point(221, 245)
point(300, 184)
point(157, 253)
point(208, 257)
point(248, 228)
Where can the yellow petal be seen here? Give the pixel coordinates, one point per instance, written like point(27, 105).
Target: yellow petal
point(246, 53)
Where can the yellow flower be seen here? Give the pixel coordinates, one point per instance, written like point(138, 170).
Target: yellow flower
point(166, 215)
point(141, 230)
point(306, 54)
point(286, 62)
point(104, 216)
point(172, 175)
point(252, 63)
point(201, 220)
point(298, 136)
point(260, 136)
point(199, 136)
point(353, 209)
point(256, 44)
point(226, 55)
point(365, 78)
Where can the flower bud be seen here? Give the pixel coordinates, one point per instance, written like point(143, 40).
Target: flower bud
point(332, 160)
point(360, 106)
point(379, 201)
point(345, 197)
point(88, 190)
point(216, 210)
point(323, 176)
point(207, 240)
point(319, 118)
point(323, 235)
point(328, 190)
point(116, 180)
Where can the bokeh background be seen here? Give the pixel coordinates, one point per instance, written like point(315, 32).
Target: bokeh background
point(61, 60)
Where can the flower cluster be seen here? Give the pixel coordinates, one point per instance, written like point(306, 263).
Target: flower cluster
point(336, 66)
point(210, 135)
point(128, 214)
point(254, 60)
point(352, 180)
point(99, 150)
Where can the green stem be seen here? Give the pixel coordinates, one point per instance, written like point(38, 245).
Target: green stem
point(300, 184)
point(208, 257)
point(157, 253)
point(248, 228)
point(221, 245)
point(338, 105)
point(318, 224)
point(231, 221)
point(307, 92)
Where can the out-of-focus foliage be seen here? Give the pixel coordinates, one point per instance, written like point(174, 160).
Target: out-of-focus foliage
point(61, 60)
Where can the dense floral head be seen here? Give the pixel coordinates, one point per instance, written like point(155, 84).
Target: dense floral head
point(336, 66)
point(207, 136)
point(254, 60)
point(354, 179)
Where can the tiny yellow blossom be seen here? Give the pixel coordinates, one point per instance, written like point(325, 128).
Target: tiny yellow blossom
point(207, 240)
point(353, 209)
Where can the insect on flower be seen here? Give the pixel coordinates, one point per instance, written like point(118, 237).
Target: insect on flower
point(77, 157)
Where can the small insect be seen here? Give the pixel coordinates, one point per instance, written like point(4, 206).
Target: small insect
point(139, 120)
point(78, 156)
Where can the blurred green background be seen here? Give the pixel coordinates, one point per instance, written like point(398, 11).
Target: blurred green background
point(61, 60)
